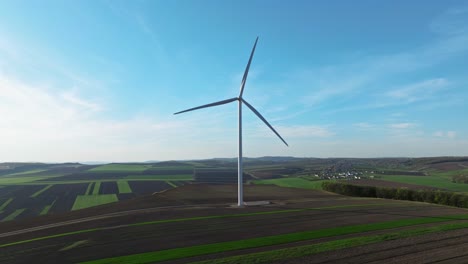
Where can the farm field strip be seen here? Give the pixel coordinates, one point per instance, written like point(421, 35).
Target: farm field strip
point(89, 188)
point(120, 168)
point(25, 172)
point(90, 181)
point(171, 184)
point(432, 181)
point(123, 187)
point(85, 201)
point(13, 215)
point(41, 191)
point(175, 177)
point(47, 208)
point(184, 252)
point(22, 180)
point(97, 185)
point(294, 182)
point(225, 216)
point(5, 204)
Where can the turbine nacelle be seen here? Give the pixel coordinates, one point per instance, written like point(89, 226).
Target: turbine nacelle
point(241, 100)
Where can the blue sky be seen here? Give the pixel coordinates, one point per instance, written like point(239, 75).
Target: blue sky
point(99, 80)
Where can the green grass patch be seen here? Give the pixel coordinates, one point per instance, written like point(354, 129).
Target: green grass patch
point(5, 204)
point(301, 251)
point(432, 181)
point(178, 253)
point(49, 237)
point(292, 182)
point(165, 168)
point(20, 180)
point(121, 168)
point(41, 191)
point(13, 215)
point(47, 208)
point(89, 188)
point(176, 177)
point(85, 201)
point(97, 186)
point(25, 172)
point(124, 187)
point(74, 245)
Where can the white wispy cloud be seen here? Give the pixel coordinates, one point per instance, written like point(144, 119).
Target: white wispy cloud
point(401, 125)
point(364, 125)
point(445, 134)
point(418, 91)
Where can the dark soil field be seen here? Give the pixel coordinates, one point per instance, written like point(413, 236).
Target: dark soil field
point(148, 187)
point(203, 214)
point(108, 188)
point(65, 195)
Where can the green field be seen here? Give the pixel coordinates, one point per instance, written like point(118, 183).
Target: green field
point(41, 191)
point(13, 215)
point(120, 168)
point(89, 188)
point(176, 177)
point(5, 204)
point(20, 180)
point(292, 182)
point(432, 181)
point(47, 208)
point(97, 186)
point(85, 201)
point(25, 172)
point(124, 187)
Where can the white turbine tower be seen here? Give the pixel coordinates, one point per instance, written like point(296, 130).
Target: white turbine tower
point(240, 99)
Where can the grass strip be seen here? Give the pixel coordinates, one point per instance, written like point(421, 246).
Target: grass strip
point(74, 245)
point(85, 201)
point(174, 177)
point(41, 191)
point(13, 215)
point(97, 186)
point(47, 208)
point(301, 251)
point(171, 184)
point(178, 253)
point(88, 189)
point(5, 204)
point(49, 237)
point(124, 187)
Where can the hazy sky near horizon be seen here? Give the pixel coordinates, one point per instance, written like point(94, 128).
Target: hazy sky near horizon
point(100, 80)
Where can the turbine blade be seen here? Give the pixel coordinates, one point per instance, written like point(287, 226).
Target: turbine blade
point(264, 120)
point(209, 105)
point(244, 79)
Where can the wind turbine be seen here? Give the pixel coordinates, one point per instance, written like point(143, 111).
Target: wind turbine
point(240, 99)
